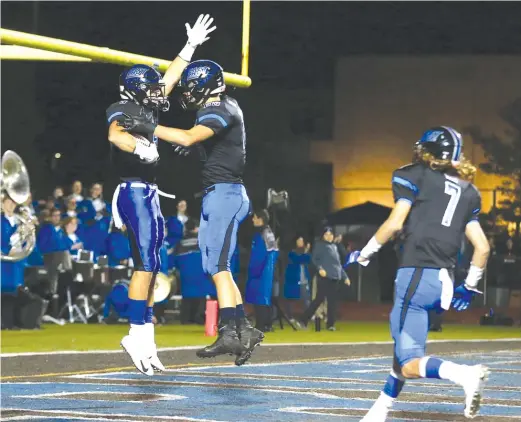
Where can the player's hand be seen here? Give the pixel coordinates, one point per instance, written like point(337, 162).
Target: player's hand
point(198, 33)
point(322, 272)
point(183, 151)
point(146, 150)
point(347, 282)
point(356, 257)
point(462, 297)
point(137, 124)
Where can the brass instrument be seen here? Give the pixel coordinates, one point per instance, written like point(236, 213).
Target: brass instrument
point(15, 184)
point(163, 286)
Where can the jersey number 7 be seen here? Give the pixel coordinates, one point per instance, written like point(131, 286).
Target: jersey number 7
point(454, 190)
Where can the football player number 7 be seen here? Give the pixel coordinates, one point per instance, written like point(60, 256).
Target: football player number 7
point(454, 191)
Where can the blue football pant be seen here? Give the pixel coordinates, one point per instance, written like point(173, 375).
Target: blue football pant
point(139, 209)
point(417, 291)
point(223, 210)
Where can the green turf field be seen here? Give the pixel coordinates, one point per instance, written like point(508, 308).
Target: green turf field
point(107, 337)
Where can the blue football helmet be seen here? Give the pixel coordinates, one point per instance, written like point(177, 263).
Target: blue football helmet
point(200, 80)
point(143, 84)
point(443, 142)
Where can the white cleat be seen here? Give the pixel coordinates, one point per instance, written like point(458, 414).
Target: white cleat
point(376, 414)
point(474, 385)
point(154, 359)
point(133, 347)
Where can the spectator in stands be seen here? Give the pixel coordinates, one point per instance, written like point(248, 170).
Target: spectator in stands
point(117, 246)
point(44, 217)
point(326, 259)
point(96, 217)
point(12, 272)
point(84, 209)
point(70, 226)
point(77, 191)
point(20, 308)
point(195, 284)
point(51, 239)
point(261, 270)
point(70, 208)
point(181, 211)
point(59, 199)
point(101, 206)
point(511, 250)
point(297, 278)
point(175, 224)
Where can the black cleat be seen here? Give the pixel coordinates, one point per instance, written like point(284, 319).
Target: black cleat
point(250, 338)
point(227, 343)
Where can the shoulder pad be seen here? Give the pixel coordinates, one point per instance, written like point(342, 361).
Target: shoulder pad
point(405, 166)
point(475, 189)
point(410, 166)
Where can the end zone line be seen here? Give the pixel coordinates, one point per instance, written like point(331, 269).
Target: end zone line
point(169, 367)
point(181, 348)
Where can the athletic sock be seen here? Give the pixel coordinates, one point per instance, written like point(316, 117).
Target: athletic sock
point(227, 315)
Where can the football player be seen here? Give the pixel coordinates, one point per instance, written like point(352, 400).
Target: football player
point(436, 205)
point(136, 203)
point(220, 137)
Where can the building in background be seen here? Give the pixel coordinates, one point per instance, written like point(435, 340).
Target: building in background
point(384, 103)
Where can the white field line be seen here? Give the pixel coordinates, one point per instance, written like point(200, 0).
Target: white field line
point(181, 348)
point(74, 414)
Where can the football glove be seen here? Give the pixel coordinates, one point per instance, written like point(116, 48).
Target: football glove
point(137, 124)
point(354, 257)
point(183, 151)
point(198, 33)
point(462, 297)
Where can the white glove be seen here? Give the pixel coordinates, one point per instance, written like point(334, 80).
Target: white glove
point(146, 150)
point(197, 35)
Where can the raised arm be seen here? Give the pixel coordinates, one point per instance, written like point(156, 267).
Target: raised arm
point(197, 35)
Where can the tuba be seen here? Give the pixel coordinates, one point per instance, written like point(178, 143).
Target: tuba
point(15, 184)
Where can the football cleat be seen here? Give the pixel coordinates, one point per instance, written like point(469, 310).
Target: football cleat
point(250, 338)
point(134, 349)
point(473, 386)
point(227, 343)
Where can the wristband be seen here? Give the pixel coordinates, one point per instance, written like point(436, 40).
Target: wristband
point(370, 249)
point(187, 52)
point(474, 275)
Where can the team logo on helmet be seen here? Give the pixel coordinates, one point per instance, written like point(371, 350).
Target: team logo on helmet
point(198, 72)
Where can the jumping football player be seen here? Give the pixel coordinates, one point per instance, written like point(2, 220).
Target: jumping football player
point(436, 205)
point(221, 140)
point(136, 202)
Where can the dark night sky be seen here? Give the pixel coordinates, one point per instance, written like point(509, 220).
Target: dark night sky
point(293, 45)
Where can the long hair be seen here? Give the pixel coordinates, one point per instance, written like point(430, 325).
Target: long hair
point(464, 169)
